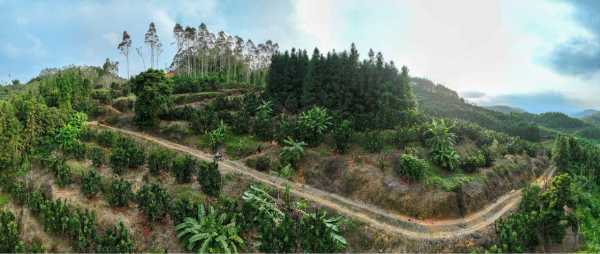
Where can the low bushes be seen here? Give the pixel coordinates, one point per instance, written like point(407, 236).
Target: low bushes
point(115, 240)
point(119, 193)
point(91, 183)
point(183, 168)
point(373, 141)
point(160, 160)
point(153, 201)
point(410, 167)
point(473, 161)
point(209, 178)
point(9, 233)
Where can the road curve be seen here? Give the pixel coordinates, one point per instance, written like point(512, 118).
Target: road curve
point(409, 227)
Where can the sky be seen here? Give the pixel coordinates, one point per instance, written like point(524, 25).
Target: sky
point(540, 55)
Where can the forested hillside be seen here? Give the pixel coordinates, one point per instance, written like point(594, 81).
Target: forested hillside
point(244, 148)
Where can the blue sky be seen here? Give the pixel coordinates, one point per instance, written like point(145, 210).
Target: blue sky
point(537, 54)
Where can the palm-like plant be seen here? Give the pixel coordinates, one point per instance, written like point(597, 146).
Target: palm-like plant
point(292, 152)
point(314, 124)
point(442, 141)
point(210, 232)
point(439, 135)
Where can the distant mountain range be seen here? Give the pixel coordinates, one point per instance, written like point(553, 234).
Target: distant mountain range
point(506, 109)
point(585, 113)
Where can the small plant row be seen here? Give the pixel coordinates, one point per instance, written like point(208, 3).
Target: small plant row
point(59, 217)
point(158, 160)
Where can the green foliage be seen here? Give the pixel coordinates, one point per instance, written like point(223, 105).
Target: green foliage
point(91, 183)
point(314, 124)
point(373, 141)
point(10, 138)
point(292, 152)
point(116, 240)
point(411, 167)
point(373, 92)
point(557, 120)
point(62, 173)
point(119, 193)
point(216, 137)
point(153, 201)
point(183, 167)
point(290, 229)
point(240, 147)
point(97, 156)
point(321, 233)
point(182, 208)
point(108, 138)
point(126, 154)
point(263, 163)
point(160, 160)
point(342, 136)
point(67, 136)
point(404, 136)
point(209, 178)
point(474, 161)
point(263, 125)
point(441, 141)
point(541, 217)
point(9, 233)
point(204, 120)
point(152, 92)
point(210, 232)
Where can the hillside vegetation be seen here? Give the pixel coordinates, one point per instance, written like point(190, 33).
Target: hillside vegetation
point(358, 128)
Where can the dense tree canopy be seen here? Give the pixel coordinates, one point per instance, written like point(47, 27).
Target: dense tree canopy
point(153, 92)
point(374, 93)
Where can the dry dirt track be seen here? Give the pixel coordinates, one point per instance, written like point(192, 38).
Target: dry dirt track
point(389, 222)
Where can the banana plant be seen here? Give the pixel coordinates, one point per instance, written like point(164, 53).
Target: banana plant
point(210, 232)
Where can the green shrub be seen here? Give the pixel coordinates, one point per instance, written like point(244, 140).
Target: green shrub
point(62, 173)
point(216, 137)
point(119, 193)
point(153, 201)
point(160, 160)
point(287, 127)
point(446, 158)
point(182, 208)
point(77, 150)
point(242, 147)
point(209, 232)
point(373, 142)
point(116, 240)
point(410, 167)
point(263, 163)
point(126, 154)
point(183, 168)
point(342, 136)
point(314, 124)
point(97, 156)
point(124, 104)
point(108, 138)
point(204, 120)
point(292, 152)
point(263, 124)
point(473, 161)
point(9, 233)
point(404, 136)
point(209, 178)
point(91, 183)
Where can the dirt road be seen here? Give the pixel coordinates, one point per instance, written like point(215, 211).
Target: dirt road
point(390, 222)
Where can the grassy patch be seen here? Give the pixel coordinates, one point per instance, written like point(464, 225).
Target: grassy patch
point(435, 179)
point(4, 199)
point(77, 167)
point(185, 192)
point(193, 97)
point(240, 146)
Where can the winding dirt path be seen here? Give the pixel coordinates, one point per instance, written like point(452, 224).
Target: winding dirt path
point(390, 222)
